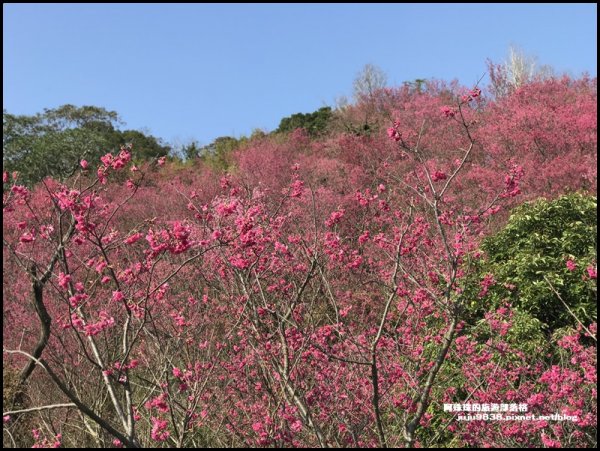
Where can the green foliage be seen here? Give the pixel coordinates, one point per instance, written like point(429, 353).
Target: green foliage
point(216, 154)
point(314, 123)
point(145, 147)
point(526, 334)
point(89, 117)
point(52, 143)
point(535, 245)
point(418, 85)
point(191, 150)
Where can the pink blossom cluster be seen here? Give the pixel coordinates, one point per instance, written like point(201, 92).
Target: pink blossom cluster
point(176, 240)
point(335, 217)
point(448, 111)
point(159, 430)
point(394, 132)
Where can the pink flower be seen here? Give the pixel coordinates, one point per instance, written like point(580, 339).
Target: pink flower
point(355, 263)
point(438, 175)
point(448, 111)
point(27, 237)
point(84, 164)
point(296, 426)
point(45, 231)
point(161, 161)
point(101, 172)
point(107, 159)
point(63, 280)
point(486, 283)
point(239, 262)
point(536, 400)
point(571, 266)
point(20, 190)
point(364, 237)
point(159, 432)
point(105, 322)
point(335, 217)
point(224, 209)
point(180, 231)
point(281, 247)
point(549, 443)
point(100, 266)
point(179, 319)
point(225, 183)
point(394, 134)
point(125, 156)
point(133, 238)
point(117, 296)
point(76, 320)
point(297, 188)
point(159, 403)
point(592, 272)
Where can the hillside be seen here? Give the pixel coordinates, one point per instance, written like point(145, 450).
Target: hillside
point(362, 276)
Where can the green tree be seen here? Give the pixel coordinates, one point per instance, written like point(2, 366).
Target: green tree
point(145, 147)
point(418, 85)
point(191, 150)
point(315, 123)
point(53, 142)
point(529, 260)
point(88, 117)
point(216, 153)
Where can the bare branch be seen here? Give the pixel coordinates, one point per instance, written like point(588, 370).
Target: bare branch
point(37, 409)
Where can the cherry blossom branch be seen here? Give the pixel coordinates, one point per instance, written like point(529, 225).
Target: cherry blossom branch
point(75, 400)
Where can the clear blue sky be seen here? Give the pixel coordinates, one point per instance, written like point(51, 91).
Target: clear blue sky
point(186, 72)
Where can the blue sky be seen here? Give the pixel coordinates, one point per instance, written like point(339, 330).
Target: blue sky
point(195, 72)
